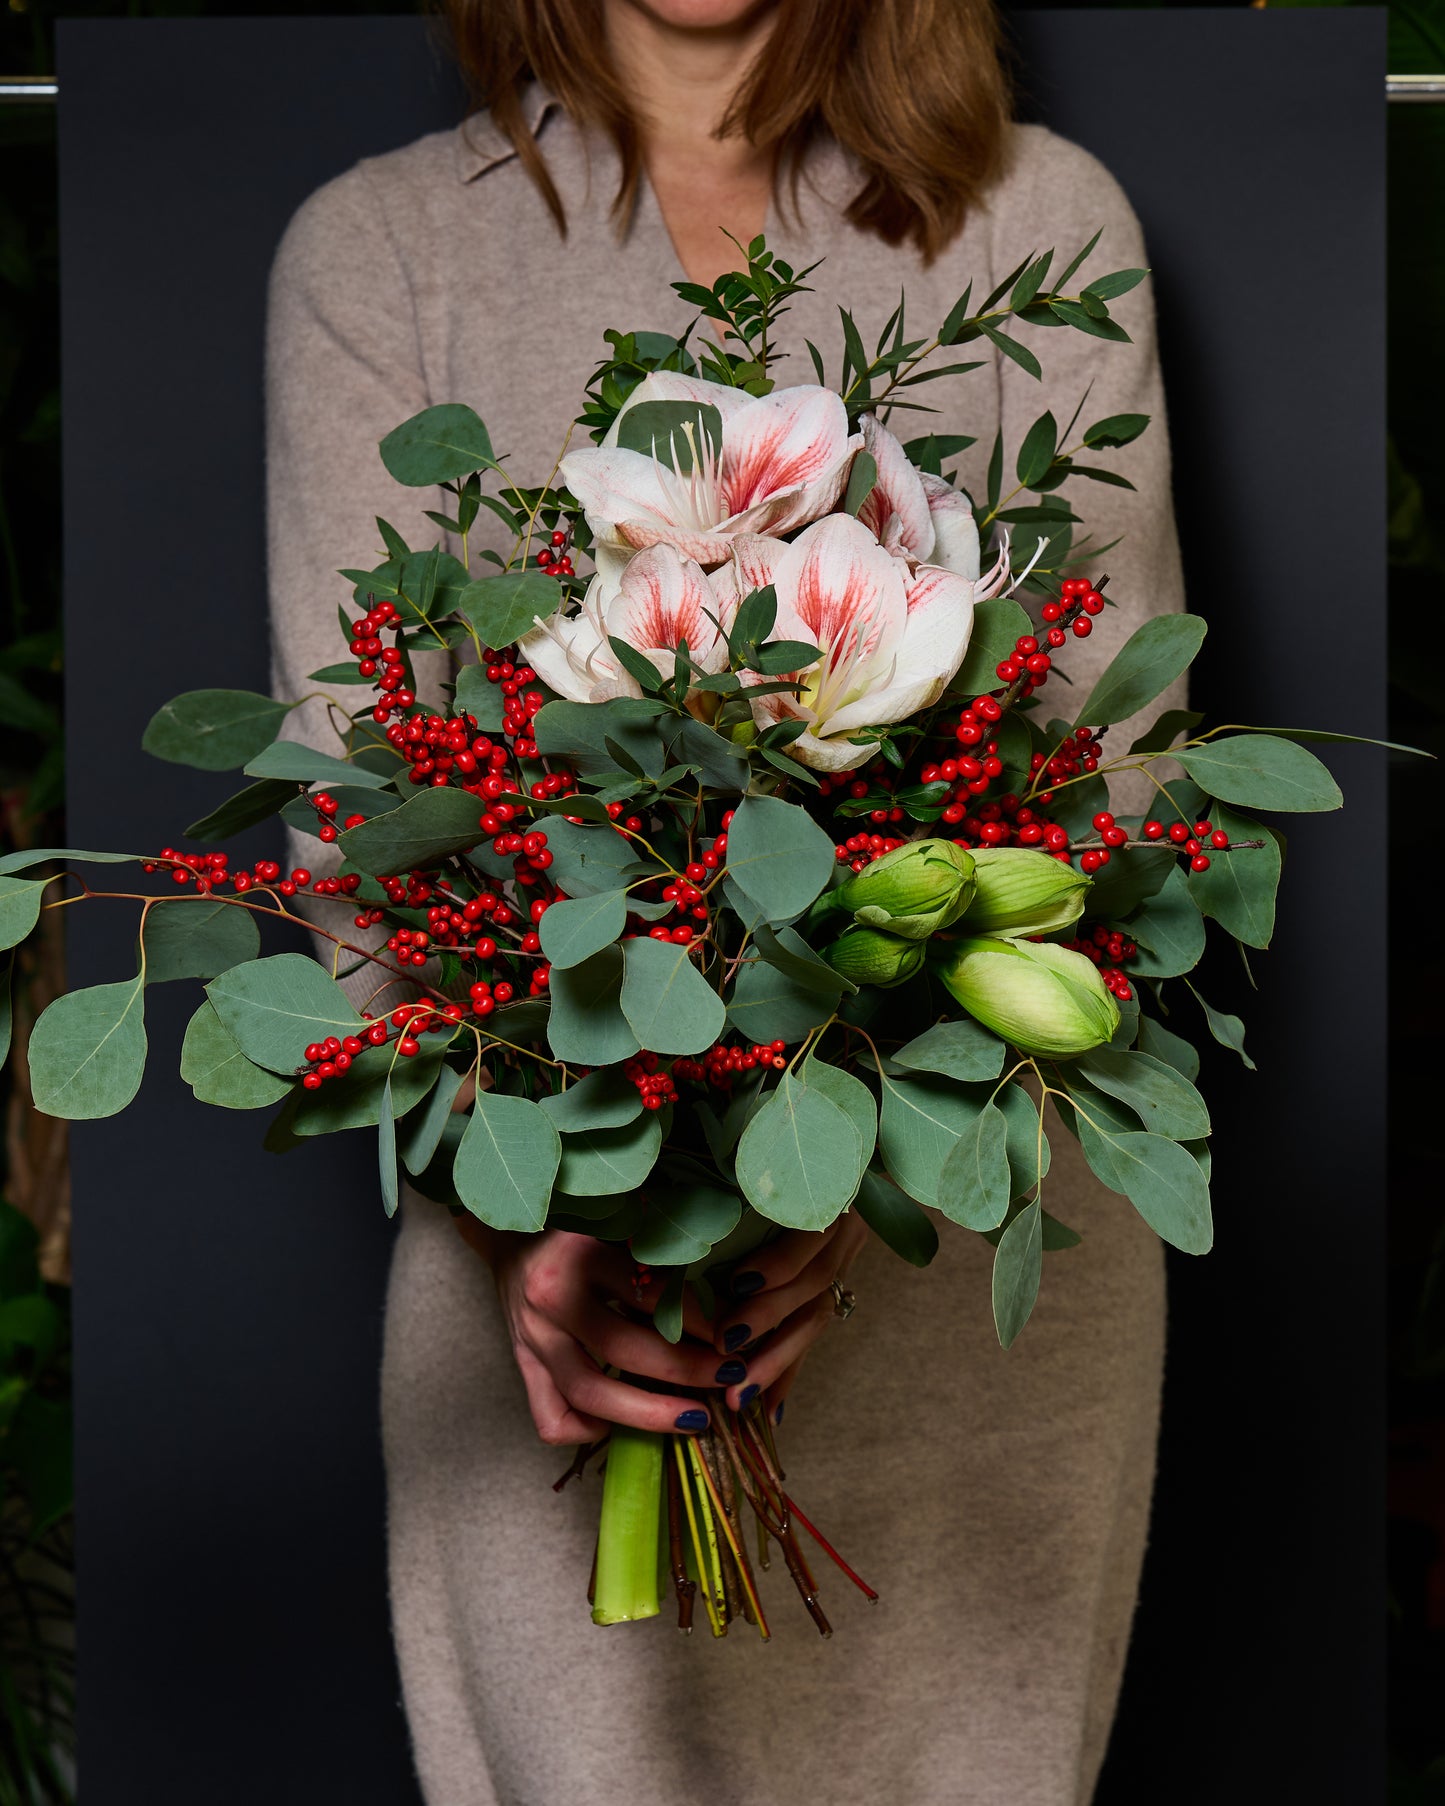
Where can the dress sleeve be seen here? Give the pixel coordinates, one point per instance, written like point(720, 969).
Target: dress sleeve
point(343, 367)
point(1058, 196)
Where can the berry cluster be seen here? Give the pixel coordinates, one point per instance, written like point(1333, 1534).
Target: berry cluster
point(211, 872)
point(1108, 949)
point(1078, 602)
point(721, 1064)
point(1191, 842)
point(556, 557)
point(655, 1086)
point(330, 1058)
point(860, 850)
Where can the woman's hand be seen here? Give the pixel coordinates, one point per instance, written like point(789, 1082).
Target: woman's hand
point(559, 1294)
point(782, 1302)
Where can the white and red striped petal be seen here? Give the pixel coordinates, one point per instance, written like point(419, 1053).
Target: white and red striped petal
point(955, 531)
point(663, 600)
point(896, 509)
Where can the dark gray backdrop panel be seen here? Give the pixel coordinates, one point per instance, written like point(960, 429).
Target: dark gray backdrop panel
point(233, 1636)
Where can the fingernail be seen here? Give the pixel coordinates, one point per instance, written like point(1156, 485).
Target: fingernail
point(691, 1420)
point(745, 1284)
point(736, 1336)
point(749, 1393)
point(731, 1372)
point(778, 1414)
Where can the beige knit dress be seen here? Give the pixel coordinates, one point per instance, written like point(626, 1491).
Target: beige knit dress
point(998, 1501)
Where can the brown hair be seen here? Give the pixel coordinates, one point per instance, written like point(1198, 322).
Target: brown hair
point(916, 90)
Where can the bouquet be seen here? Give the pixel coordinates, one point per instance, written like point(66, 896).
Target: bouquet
point(742, 877)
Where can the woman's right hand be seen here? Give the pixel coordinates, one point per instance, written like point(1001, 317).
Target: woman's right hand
point(560, 1295)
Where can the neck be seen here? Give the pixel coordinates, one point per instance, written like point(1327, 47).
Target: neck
point(682, 79)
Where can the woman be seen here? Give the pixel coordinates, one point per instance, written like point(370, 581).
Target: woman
point(998, 1501)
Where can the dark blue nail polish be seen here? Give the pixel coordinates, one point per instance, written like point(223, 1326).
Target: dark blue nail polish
point(749, 1393)
point(691, 1420)
point(736, 1336)
point(745, 1284)
point(778, 1414)
point(731, 1372)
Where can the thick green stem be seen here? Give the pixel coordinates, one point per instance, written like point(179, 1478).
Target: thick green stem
point(627, 1536)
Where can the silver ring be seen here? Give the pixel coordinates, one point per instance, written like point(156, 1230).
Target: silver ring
point(844, 1303)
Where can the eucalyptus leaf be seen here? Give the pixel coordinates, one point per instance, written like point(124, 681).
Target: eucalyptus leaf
point(602, 1162)
point(88, 1050)
point(20, 900)
point(1163, 1044)
point(1169, 930)
point(214, 730)
point(502, 608)
point(963, 1050)
point(587, 1026)
point(778, 855)
point(919, 1125)
point(197, 937)
point(386, 1155)
point(974, 1184)
point(305, 765)
point(897, 1221)
point(669, 1005)
point(575, 929)
point(1165, 1102)
point(437, 446)
point(1017, 1267)
point(507, 1162)
point(1146, 664)
point(684, 1223)
point(603, 1100)
point(246, 809)
point(274, 1008)
point(423, 830)
point(1259, 771)
point(219, 1073)
point(1238, 889)
point(426, 1126)
point(800, 1158)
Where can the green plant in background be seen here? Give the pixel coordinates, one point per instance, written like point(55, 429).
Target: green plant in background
point(37, 1700)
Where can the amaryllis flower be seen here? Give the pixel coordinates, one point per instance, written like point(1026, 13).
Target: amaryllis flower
point(892, 635)
point(917, 516)
point(660, 600)
point(782, 461)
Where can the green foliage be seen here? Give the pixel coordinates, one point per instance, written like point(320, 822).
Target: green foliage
point(801, 1157)
point(424, 830)
point(1017, 1265)
point(1260, 771)
point(778, 856)
point(306, 765)
point(196, 937)
point(895, 1219)
point(975, 1183)
point(214, 730)
point(599, 1162)
point(439, 445)
point(603, 1100)
point(88, 1051)
point(669, 1005)
point(20, 900)
point(574, 930)
point(963, 1050)
point(503, 608)
point(246, 809)
point(587, 1026)
point(1146, 664)
point(219, 1073)
point(685, 1221)
point(1238, 890)
point(507, 1162)
point(273, 1008)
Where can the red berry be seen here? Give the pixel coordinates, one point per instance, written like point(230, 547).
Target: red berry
point(1083, 627)
point(1153, 830)
point(1199, 863)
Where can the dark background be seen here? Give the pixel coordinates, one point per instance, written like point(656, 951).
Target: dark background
point(233, 1635)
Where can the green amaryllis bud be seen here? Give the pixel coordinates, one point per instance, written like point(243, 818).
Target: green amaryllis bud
point(1018, 891)
point(1041, 998)
point(914, 891)
point(870, 957)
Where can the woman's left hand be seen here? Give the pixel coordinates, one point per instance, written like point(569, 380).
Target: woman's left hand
point(782, 1302)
